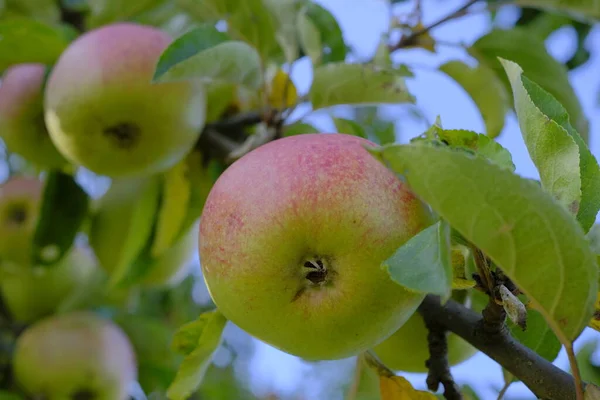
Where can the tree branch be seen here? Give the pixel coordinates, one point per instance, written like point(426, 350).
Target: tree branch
point(544, 379)
point(409, 40)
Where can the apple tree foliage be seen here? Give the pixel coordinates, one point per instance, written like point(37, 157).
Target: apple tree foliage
point(531, 246)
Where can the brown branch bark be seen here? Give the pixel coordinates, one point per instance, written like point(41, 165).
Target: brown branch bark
point(544, 379)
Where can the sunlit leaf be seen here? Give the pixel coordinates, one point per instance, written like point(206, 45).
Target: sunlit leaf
point(423, 263)
point(341, 83)
point(310, 37)
point(349, 127)
point(205, 54)
point(485, 89)
point(332, 38)
point(281, 91)
point(529, 51)
point(567, 168)
point(513, 221)
point(194, 366)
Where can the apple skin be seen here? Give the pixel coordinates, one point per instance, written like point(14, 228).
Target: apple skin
point(22, 125)
point(74, 355)
point(104, 113)
point(299, 201)
point(407, 349)
point(33, 293)
point(20, 202)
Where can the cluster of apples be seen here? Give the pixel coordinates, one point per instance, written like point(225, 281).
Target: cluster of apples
point(97, 108)
point(291, 237)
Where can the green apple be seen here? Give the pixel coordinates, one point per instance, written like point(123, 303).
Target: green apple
point(22, 125)
point(104, 113)
point(32, 293)
point(292, 237)
point(20, 202)
point(407, 349)
point(79, 355)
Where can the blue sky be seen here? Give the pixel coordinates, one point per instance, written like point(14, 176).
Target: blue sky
point(362, 22)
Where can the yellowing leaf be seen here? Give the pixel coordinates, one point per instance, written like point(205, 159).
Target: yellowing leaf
point(281, 90)
point(175, 201)
point(459, 272)
point(398, 388)
point(595, 321)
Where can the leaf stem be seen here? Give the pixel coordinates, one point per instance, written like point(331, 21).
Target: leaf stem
point(575, 370)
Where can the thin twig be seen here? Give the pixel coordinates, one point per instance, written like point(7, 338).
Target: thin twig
point(408, 40)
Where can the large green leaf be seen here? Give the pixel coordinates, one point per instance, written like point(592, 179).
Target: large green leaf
point(567, 168)
point(534, 240)
point(309, 37)
point(529, 51)
point(485, 89)
point(206, 54)
point(25, 40)
point(423, 263)
point(249, 21)
point(199, 340)
point(340, 83)
point(41, 10)
point(581, 9)
point(102, 12)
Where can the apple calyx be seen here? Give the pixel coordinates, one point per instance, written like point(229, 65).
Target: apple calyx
point(318, 273)
point(125, 134)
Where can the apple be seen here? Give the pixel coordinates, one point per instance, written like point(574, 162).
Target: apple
point(22, 125)
point(32, 293)
point(292, 237)
point(104, 113)
point(407, 349)
point(79, 355)
point(20, 202)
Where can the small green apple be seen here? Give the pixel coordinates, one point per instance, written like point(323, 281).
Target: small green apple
point(407, 349)
point(22, 125)
point(20, 202)
point(292, 237)
point(33, 293)
point(79, 355)
point(104, 113)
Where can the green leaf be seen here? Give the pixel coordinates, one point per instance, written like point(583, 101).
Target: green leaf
point(122, 225)
point(103, 12)
point(523, 230)
point(594, 238)
point(25, 40)
point(529, 51)
point(6, 395)
point(41, 10)
point(567, 168)
point(332, 38)
point(193, 368)
point(590, 372)
point(249, 21)
point(151, 340)
point(63, 211)
point(485, 89)
point(349, 127)
point(538, 336)
point(205, 54)
point(340, 83)
point(298, 128)
point(310, 37)
point(587, 10)
point(423, 263)
point(284, 14)
point(482, 144)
